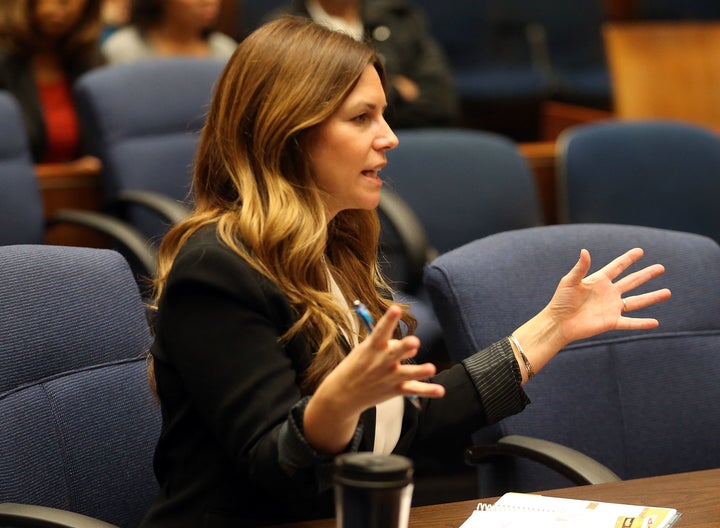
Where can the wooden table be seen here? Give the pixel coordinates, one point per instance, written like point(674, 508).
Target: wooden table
point(696, 495)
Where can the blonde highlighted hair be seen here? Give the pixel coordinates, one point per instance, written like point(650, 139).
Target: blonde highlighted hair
point(253, 178)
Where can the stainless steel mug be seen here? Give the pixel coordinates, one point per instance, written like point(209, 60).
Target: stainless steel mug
point(372, 491)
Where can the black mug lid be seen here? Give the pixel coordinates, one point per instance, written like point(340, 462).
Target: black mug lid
point(371, 467)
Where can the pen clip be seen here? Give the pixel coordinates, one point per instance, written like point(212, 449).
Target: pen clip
point(364, 315)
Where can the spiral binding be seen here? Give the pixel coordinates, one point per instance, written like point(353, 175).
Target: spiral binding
point(486, 506)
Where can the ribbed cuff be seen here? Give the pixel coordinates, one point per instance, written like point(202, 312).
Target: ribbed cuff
point(496, 375)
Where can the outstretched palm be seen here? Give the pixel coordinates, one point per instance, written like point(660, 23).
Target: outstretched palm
point(584, 305)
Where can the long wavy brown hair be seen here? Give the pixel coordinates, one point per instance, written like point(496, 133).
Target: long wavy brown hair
point(254, 180)
point(79, 50)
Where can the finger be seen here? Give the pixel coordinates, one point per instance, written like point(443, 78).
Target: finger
point(635, 279)
point(619, 264)
point(411, 371)
point(384, 329)
point(401, 349)
point(408, 348)
point(422, 389)
point(636, 323)
point(580, 269)
point(637, 302)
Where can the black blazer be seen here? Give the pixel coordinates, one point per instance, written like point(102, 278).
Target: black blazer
point(231, 451)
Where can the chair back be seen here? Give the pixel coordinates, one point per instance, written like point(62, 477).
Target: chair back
point(82, 441)
point(644, 402)
point(572, 31)
point(144, 119)
point(21, 212)
point(63, 308)
point(505, 49)
point(665, 70)
point(491, 54)
point(462, 184)
point(654, 173)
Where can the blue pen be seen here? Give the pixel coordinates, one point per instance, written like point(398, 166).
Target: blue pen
point(362, 312)
point(364, 315)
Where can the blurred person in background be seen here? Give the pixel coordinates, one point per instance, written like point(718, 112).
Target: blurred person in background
point(167, 28)
point(44, 46)
point(422, 90)
point(115, 14)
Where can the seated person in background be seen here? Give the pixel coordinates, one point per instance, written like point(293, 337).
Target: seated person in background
point(262, 370)
point(115, 14)
point(167, 28)
point(422, 90)
point(44, 46)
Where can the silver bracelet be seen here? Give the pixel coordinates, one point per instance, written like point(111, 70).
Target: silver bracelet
point(528, 366)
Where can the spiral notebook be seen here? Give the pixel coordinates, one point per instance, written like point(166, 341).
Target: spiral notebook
point(527, 510)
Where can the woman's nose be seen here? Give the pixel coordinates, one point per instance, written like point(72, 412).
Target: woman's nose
point(387, 139)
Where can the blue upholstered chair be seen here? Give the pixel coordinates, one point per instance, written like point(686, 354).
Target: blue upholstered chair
point(462, 184)
point(63, 308)
point(459, 185)
point(573, 45)
point(21, 211)
point(79, 420)
point(656, 173)
point(22, 219)
point(504, 50)
point(144, 120)
point(493, 57)
point(76, 449)
point(641, 403)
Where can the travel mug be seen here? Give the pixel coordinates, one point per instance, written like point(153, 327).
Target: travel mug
point(372, 491)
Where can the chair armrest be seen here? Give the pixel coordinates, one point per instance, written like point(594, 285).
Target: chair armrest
point(127, 236)
point(168, 208)
point(19, 515)
point(576, 466)
point(411, 233)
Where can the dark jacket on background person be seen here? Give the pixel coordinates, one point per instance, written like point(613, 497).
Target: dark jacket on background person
point(232, 451)
point(16, 77)
point(399, 32)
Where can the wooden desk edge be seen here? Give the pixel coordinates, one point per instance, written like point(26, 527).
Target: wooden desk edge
point(694, 494)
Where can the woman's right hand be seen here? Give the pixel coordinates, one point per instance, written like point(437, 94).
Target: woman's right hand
point(371, 373)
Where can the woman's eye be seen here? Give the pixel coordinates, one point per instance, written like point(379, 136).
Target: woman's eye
point(360, 118)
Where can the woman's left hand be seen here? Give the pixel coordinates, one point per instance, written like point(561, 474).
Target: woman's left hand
point(585, 305)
